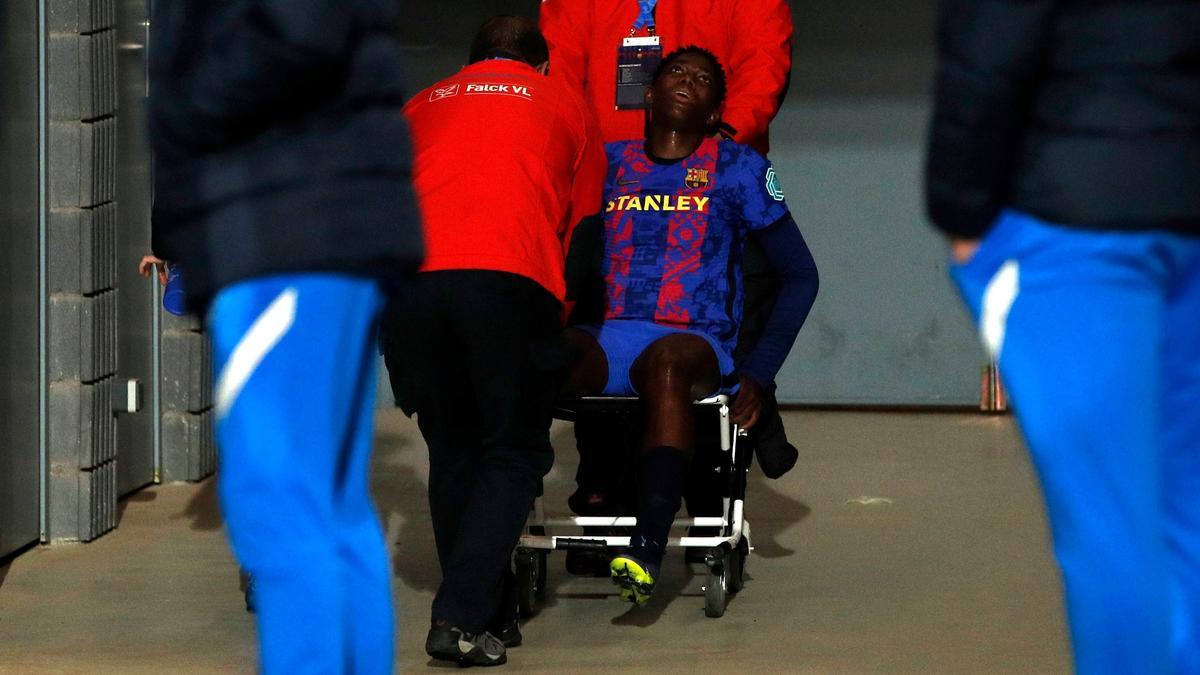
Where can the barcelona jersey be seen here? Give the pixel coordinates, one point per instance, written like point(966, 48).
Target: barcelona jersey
point(673, 233)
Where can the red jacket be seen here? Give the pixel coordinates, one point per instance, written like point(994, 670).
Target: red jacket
point(751, 38)
point(506, 162)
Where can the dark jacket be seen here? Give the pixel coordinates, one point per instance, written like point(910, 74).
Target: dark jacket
point(1080, 112)
point(278, 139)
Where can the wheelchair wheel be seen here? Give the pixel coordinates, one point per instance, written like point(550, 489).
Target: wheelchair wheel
point(531, 579)
point(540, 592)
point(716, 583)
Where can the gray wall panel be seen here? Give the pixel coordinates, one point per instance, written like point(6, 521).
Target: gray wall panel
point(19, 293)
point(187, 371)
point(887, 328)
point(136, 300)
point(189, 449)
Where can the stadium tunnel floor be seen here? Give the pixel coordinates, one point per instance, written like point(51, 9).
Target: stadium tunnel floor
point(901, 543)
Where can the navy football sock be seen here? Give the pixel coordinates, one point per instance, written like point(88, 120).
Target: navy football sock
point(660, 490)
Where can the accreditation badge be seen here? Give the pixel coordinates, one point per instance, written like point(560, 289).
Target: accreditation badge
point(637, 59)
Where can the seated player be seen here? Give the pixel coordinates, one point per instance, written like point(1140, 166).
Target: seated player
point(678, 207)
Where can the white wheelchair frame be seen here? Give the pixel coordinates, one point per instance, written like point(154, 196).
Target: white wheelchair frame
point(725, 555)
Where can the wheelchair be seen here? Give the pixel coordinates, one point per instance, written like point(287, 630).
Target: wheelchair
point(725, 554)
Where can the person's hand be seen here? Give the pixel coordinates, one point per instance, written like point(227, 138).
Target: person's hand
point(962, 250)
point(747, 403)
point(150, 262)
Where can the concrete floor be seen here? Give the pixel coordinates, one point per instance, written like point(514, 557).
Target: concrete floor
point(902, 543)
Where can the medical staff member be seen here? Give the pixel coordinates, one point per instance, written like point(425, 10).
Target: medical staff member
point(1064, 166)
point(507, 162)
point(282, 185)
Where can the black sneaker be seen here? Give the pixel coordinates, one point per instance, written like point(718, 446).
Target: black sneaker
point(508, 632)
point(509, 636)
point(448, 643)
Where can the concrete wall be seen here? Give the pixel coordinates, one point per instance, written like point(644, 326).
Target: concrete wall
point(101, 328)
point(82, 78)
point(888, 327)
point(19, 286)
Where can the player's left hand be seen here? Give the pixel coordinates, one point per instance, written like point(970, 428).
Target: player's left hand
point(149, 263)
point(963, 249)
point(747, 403)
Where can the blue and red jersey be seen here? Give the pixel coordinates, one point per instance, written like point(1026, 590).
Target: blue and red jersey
point(673, 233)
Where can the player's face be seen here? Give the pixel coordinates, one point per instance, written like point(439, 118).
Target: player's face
point(686, 90)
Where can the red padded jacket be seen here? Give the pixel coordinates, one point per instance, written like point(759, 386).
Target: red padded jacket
point(506, 163)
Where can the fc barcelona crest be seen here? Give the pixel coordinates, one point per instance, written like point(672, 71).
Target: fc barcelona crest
point(696, 178)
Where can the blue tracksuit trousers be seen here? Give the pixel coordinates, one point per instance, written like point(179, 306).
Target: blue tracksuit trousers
point(1098, 340)
point(295, 389)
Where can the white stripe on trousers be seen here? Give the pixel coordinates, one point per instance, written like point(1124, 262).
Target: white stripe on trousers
point(266, 332)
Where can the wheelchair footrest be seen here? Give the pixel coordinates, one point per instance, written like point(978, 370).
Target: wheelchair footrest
point(568, 544)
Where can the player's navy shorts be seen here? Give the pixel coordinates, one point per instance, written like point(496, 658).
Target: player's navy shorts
point(623, 341)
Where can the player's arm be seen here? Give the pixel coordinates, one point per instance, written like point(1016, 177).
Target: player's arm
point(262, 61)
point(765, 214)
point(793, 262)
point(760, 66)
point(565, 23)
point(990, 52)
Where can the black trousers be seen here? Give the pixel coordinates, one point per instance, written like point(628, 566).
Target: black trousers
point(478, 355)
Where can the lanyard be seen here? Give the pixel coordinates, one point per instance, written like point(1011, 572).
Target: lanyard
point(645, 16)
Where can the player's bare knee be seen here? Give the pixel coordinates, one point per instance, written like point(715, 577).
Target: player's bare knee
point(669, 369)
point(662, 374)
